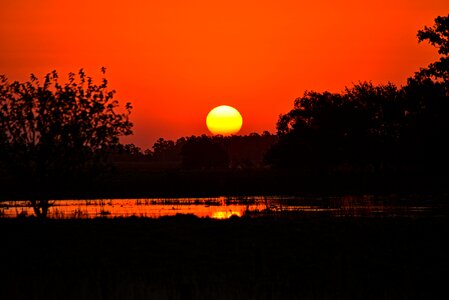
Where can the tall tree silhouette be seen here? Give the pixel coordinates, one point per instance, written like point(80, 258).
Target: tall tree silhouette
point(438, 36)
point(402, 129)
point(427, 93)
point(52, 133)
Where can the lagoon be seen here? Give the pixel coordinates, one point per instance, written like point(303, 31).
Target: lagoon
point(226, 206)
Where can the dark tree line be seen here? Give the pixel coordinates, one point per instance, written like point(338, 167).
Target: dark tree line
point(369, 128)
point(204, 152)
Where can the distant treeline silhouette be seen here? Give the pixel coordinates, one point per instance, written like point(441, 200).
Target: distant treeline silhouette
point(203, 152)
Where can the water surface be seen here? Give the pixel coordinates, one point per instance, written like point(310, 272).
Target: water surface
point(225, 207)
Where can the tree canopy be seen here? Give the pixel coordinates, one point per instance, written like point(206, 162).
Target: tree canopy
point(438, 36)
point(54, 132)
point(371, 126)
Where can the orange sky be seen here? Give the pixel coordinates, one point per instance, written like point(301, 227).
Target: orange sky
point(175, 60)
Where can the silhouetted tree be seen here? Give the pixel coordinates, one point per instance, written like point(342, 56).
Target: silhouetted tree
point(203, 153)
point(402, 129)
point(132, 149)
point(167, 150)
point(427, 94)
point(438, 36)
point(52, 133)
point(248, 151)
point(129, 152)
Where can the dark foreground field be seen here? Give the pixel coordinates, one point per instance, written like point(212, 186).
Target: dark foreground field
point(185, 257)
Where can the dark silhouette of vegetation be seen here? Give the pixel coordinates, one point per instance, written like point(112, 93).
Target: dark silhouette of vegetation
point(427, 93)
point(438, 36)
point(128, 152)
point(53, 134)
point(212, 152)
point(249, 151)
point(203, 153)
point(167, 150)
point(372, 129)
point(330, 130)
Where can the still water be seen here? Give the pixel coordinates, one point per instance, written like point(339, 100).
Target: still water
point(225, 207)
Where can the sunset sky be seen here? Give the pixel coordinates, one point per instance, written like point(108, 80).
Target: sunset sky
point(175, 60)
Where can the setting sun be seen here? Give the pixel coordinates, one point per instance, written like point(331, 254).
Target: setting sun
point(224, 120)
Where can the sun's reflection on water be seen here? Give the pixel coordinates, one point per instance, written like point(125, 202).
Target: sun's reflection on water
point(222, 207)
point(218, 208)
point(225, 214)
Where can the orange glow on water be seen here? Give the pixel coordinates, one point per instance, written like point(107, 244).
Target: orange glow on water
point(226, 207)
point(151, 208)
point(225, 214)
